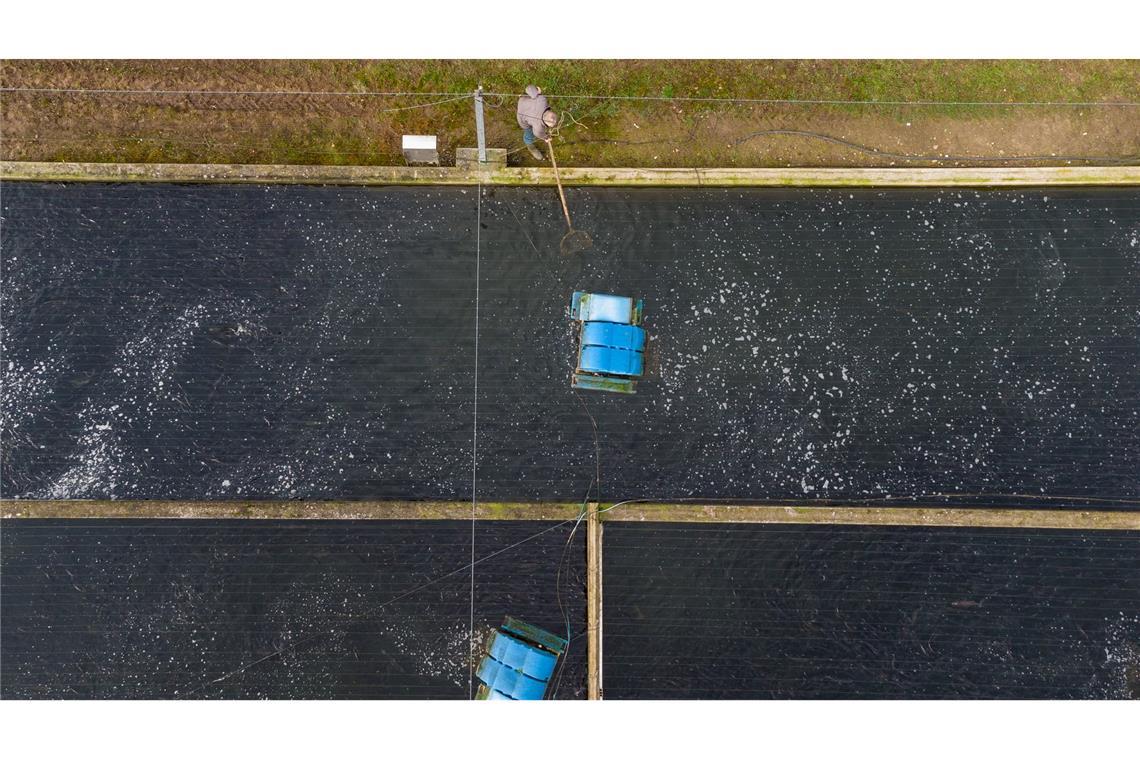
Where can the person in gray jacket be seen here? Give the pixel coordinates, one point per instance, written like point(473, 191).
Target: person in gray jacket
point(536, 118)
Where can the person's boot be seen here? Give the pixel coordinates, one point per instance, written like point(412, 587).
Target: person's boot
point(534, 151)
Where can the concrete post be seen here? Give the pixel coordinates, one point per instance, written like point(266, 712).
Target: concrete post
point(480, 134)
point(593, 603)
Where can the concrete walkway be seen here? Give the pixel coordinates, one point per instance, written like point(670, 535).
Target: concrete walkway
point(411, 175)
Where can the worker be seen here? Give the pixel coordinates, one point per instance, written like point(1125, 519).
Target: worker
point(536, 118)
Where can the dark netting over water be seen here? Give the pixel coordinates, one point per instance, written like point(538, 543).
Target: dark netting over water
point(275, 609)
point(700, 611)
point(221, 342)
point(303, 609)
point(300, 342)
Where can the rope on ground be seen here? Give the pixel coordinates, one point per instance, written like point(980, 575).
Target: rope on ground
point(920, 157)
point(1109, 160)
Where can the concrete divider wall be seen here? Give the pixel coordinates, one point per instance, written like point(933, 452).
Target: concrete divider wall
point(629, 177)
point(898, 515)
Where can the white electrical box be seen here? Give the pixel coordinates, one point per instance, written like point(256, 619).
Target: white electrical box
point(420, 149)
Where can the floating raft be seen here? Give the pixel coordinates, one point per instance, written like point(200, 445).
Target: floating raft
point(611, 342)
point(519, 662)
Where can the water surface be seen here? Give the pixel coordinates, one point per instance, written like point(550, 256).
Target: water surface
point(223, 342)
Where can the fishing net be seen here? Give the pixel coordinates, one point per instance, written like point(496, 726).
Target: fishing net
point(576, 241)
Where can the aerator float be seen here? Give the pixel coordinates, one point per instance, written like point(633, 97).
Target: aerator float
point(519, 662)
point(611, 342)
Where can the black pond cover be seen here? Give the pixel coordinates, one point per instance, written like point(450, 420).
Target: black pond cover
point(252, 609)
point(217, 342)
point(299, 342)
point(839, 612)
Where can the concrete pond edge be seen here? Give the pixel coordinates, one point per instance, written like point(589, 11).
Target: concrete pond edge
point(620, 177)
point(1076, 518)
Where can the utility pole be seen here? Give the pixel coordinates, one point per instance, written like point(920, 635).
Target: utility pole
point(481, 135)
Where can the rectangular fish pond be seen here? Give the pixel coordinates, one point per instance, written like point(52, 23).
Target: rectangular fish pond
point(223, 341)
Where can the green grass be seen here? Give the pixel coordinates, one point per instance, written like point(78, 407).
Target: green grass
point(337, 132)
point(997, 80)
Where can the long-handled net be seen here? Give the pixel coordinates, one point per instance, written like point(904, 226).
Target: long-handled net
point(574, 241)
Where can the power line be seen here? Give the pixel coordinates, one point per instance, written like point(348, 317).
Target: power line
point(840, 102)
point(657, 98)
point(454, 96)
point(474, 444)
point(142, 91)
point(425, 105)
point(432, 582)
